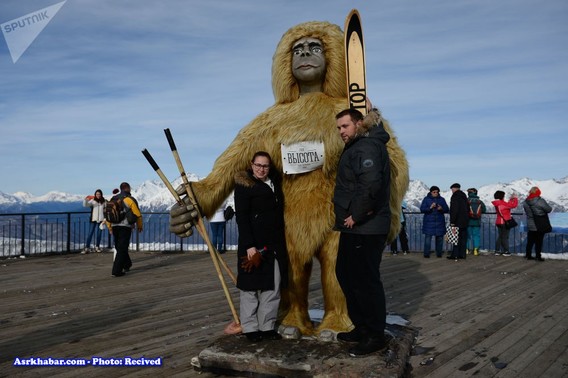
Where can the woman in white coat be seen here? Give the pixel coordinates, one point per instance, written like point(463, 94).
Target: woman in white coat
point(96, 203)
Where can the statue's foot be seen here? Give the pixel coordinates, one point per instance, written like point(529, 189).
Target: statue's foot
point(334, 321)
point(299, 320)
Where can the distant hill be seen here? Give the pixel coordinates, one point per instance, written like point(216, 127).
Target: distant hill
point(152, 195)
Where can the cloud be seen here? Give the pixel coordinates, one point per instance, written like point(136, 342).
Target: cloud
point(468, 87)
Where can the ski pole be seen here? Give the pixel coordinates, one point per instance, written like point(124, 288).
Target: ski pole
point(189, 191)
point(200, 229)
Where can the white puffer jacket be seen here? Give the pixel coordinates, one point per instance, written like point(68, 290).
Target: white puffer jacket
point(97, 212)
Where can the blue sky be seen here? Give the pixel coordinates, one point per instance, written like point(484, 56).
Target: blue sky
point(477, 91)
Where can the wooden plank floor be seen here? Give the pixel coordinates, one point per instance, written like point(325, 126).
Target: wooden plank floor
point(473, 316)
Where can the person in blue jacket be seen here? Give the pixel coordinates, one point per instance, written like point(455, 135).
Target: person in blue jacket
point(434, 207)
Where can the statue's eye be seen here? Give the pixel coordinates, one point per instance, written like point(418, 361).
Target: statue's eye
point(316, 49)
point(297, 51)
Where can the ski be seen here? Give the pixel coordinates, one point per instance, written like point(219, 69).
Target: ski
point(355, 62)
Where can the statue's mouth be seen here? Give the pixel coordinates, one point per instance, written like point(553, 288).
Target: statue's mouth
point(305, 66)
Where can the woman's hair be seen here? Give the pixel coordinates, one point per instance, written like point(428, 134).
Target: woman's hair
point(499, 195)
point(262, 153)
point(434, 187)
point(100, 200)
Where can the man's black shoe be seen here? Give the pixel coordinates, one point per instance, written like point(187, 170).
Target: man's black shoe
point(254, 336)
point(271, 335)
point(118, 274)
point(371, 345)
point(354, 336)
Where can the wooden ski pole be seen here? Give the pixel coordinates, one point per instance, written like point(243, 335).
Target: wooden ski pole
point(189, 191)
point(200, 228)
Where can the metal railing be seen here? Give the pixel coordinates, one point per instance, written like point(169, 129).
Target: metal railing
point(66, 232)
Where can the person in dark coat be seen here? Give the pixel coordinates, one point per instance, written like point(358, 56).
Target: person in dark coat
point(434, 207)
point(459, 217)
point(535, 205)
point(262, 255)
point(363, 217)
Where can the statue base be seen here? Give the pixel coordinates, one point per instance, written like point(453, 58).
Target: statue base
point(306, 357)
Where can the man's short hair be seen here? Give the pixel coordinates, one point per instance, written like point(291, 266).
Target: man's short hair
point(355, 114)
point(124, 185)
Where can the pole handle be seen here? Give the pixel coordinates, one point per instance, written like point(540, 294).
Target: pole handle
point(150, 159)
point(170, 139)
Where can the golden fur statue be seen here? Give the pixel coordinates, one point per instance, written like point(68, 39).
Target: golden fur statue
point(303, 114)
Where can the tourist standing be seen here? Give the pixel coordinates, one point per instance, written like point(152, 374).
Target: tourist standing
point(434, 207)
point(122, 230)
point(217, 224)
point(503, 211)
point(402, 236)
point(362, 216)
point(459, 219)
point(262, 255)
point(476, 208)
point(535, 206)
point(96, 203)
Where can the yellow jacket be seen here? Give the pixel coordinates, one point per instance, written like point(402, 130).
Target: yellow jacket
point(130, 203)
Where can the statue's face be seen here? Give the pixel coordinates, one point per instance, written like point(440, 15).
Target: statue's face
point(308, 60)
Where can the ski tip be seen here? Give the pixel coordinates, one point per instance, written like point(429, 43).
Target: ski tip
point(354, 13)
point(353, 21)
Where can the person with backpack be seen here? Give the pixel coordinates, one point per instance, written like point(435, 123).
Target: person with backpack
point(476, 208)
point(122, 215)
point(96, 203)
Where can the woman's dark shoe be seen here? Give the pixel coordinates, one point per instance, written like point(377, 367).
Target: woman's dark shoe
point(529, 258)
point(539, 259)
point(271, 335)
point(353, 336)
point(254, 336)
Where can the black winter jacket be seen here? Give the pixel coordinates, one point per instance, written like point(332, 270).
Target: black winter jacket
point(362, 186)
point(260, 219)
point(459, 210)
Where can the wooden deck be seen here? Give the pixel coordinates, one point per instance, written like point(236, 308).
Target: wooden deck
point(486, 316)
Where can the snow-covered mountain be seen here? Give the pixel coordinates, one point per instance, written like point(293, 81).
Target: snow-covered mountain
point(555, 192)
point(152, 195)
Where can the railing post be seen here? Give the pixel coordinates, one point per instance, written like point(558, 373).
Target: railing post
point(23, 247)
point(68, 232)
point(137, 240)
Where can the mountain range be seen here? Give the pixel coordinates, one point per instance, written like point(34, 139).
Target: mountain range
point(152, 195)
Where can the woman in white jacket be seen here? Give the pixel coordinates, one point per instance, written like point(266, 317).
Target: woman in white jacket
point(96, 203)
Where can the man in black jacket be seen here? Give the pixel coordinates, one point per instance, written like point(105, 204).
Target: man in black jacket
point(362, 215)
point(459, 217)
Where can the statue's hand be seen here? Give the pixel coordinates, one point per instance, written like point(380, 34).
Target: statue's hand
point(183, 217)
